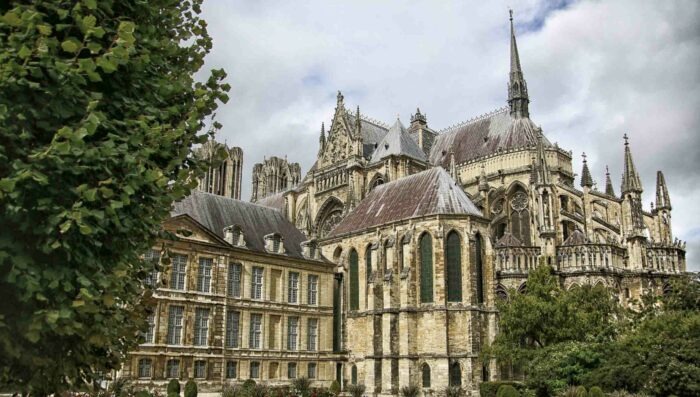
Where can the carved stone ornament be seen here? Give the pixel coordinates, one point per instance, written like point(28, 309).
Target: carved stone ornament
point(519, 201)
point(497, 206)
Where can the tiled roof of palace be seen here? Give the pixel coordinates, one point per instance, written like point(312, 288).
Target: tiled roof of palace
point(275, 200)
point(484, 136)
point(256, 221)
point(427, 193)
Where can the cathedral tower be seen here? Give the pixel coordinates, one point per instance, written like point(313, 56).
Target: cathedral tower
point(225, 179)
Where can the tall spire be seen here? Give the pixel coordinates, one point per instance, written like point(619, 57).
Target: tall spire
point(323, 133)
point(586, 179)
point(663, 201)
point(608, 183)
point(630, 178)
point(358, 123)
point(517, 87)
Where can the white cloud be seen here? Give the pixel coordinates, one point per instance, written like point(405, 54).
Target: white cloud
point(595, 70)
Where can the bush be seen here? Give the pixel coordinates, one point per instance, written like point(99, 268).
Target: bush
point(335, 388)
point(191, 388)
point(258, 391)
point(231, 391)
point(356, 390)
point(411, 390)
point(173, 387)
point(248, 385)
point(576, 391)
point(143, 393)
point(301, 386)
point(507, 391)
point(595, 391)
point(490, 389)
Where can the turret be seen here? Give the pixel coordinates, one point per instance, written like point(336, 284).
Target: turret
point(609, 190)
point(518, 99)
point(632, 195)
point(586, 179)
point(630, 178)
point(663, 201)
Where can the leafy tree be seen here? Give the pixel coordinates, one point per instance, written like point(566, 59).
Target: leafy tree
point(335, 388)
point(660, 352)
point(555, 333)
point(173, 388)
point(99, 111)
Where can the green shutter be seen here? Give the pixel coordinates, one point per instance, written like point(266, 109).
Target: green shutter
point(454, 268)
point(354, 282)
point(426, 269)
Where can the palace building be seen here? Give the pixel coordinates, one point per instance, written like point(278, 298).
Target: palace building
point(383, 264)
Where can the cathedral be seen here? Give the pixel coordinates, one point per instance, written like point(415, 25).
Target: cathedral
point(382, 265)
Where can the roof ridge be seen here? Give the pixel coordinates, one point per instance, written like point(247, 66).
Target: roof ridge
point(475, 119)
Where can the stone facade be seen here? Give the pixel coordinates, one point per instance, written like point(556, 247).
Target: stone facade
point(224, 180)
point(272, 176)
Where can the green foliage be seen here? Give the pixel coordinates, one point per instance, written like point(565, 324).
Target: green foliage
point(143, 393)
point(302, 386)
point(99, 111)
point(356, 390)
point(595, 391)
point(191, 388)
point(490, 389)
point(173, 387)
point(257, 391)
point(335, 388)
point(231, 391)
point(575, 391)
point(248, 385)
point(507, 391)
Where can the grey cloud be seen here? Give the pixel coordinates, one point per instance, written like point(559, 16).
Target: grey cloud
point(595, 70)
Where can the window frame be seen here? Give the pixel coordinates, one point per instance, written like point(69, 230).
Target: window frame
point(293, 287)
point(312, 290)
point(229, 365)
point(257, 283)
point(255, 340)
point(235, 280)
point(178, 272)
point(141, 367)
point(201, 326)
point(204, 274)
point(293, 337)
point(175, 327)
point(197, 366)
point(233, 334)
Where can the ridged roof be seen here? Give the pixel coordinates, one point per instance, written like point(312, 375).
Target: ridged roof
point(427, 193)
point(217, 212)
point(398, 142)
point(484, 136)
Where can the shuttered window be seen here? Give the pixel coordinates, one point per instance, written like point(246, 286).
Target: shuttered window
point(354, 281)
point(454, 267)
point(426, 268)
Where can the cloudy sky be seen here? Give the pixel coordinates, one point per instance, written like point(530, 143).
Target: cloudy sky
point(595, 70)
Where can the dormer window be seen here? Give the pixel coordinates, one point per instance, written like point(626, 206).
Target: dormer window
point(310, 250)
point(234, 236)
point(274, 243)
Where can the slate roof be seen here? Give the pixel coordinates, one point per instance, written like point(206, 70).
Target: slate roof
point(427, 193)
point(275, 201)
point(484, 136)
point(399, 143)
point(217, 212)
point(372, 134)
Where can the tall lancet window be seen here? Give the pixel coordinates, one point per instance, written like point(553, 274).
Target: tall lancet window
point(453, 257)
point(426, 268)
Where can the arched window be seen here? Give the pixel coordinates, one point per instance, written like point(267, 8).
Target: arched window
point(453, 256)
point(455, 374)
point(520, 216)
point(479, 263)
point(368, 262)
point(353, 375)
point(426, 268)
point(425, 375)
point(354, 281)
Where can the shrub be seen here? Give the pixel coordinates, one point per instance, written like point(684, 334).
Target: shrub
point(258, 391)
point(301, 386)
point(118, 386)
point(173, 388)
point(335, 388)
point(143, 393)
point(191, 388)
point(231, 391)
point(356, 390)
point(411, 390)
point(490, 389)
point(507, 391)
point(595, 391)
point(248, 385)
point(576, 391)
